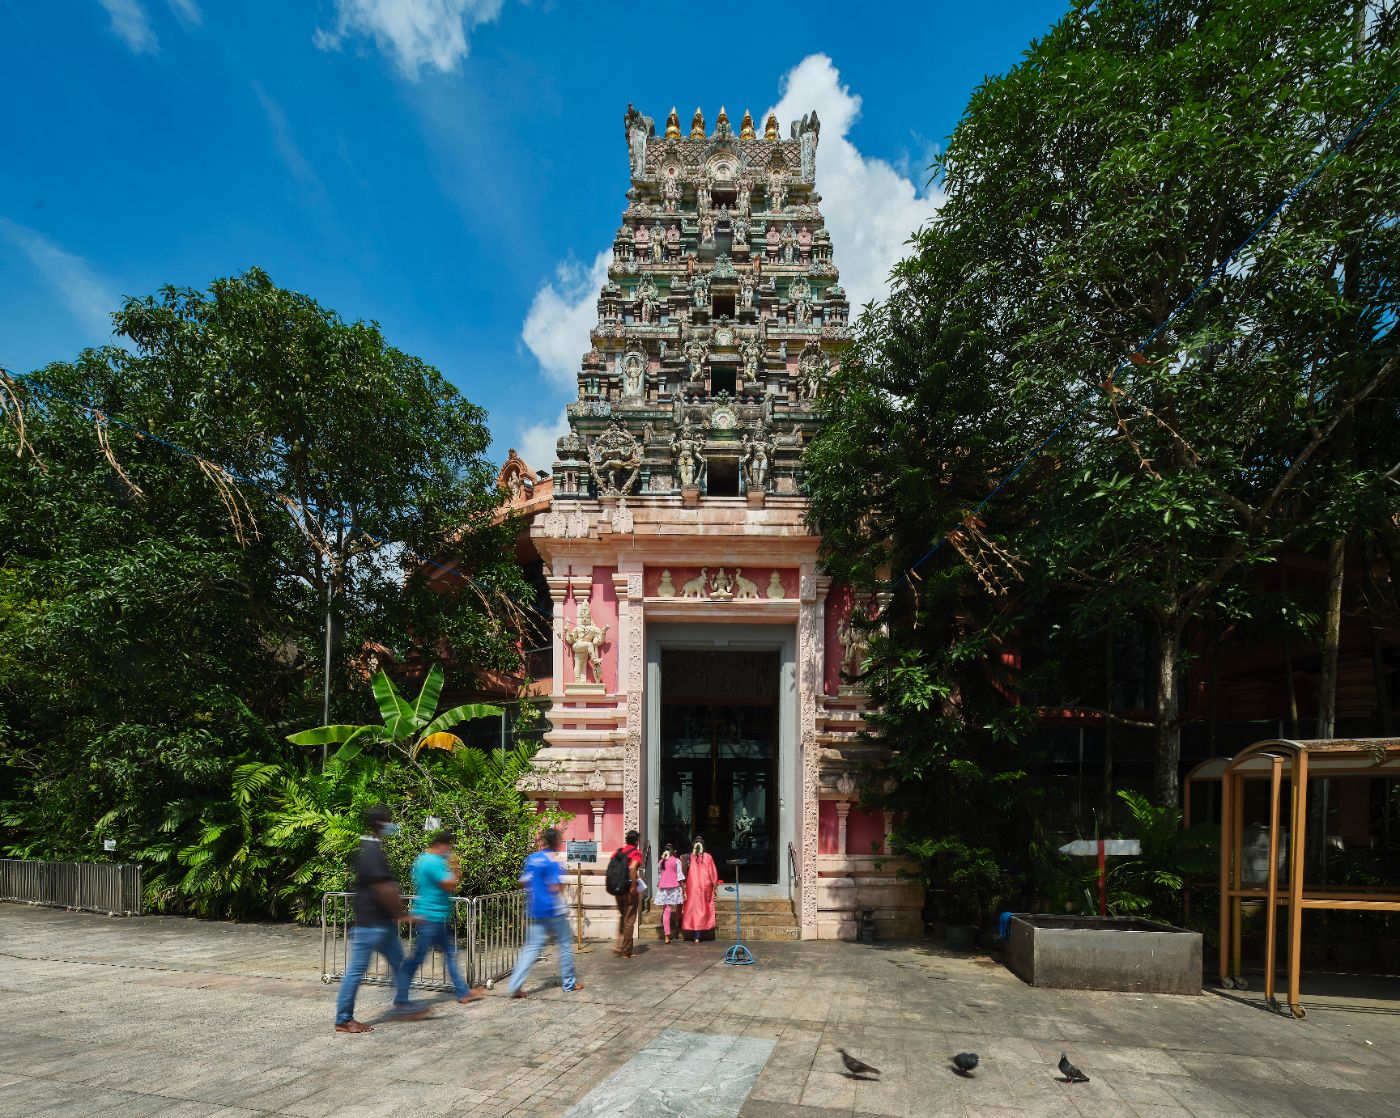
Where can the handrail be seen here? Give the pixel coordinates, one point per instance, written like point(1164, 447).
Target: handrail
point(794, 875)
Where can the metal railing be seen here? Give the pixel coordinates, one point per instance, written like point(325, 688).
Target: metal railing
point(111, 888)
point(488, 932)
point(794, 877)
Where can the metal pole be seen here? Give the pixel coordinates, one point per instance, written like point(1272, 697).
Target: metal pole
point(326, 679)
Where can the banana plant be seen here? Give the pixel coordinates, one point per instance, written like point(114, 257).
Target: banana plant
point(409, 727)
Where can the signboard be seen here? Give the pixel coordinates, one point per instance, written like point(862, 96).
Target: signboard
point(575, 851)
point(1116, 847)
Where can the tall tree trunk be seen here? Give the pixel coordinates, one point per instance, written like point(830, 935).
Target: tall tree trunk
point(1331, 639)
point(1384, 722)
point(1167, 763)
point(1106, 794)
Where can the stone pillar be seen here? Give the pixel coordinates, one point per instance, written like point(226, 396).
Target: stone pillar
point(843, 809)
point(631, 669)
point(889, 826)
point(558, 589)
point(811, 632)
point(597, 806)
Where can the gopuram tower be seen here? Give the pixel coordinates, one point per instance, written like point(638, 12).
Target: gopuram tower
point(705, 677)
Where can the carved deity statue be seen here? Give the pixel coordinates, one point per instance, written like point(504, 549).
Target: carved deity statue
point(855, 644)
point(740, 225)
point(743, 196)
point(800, 294)
point(702, 196)
point(690, 457)
point(695, 353)
point(671, 191)
point(699, 293)
point(615, 459)
point(633, 375)
point(586, 639)
point(755, 460)
point(707, 228)
point(751, 353)
point(673, 240)
point(811, 367)
point(647, 298)
point(658, 243)
point(721, 585)
point(777, 190)
point(746, 287)
point(788, 242)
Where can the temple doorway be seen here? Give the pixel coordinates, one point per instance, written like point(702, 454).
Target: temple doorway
point(719, 753)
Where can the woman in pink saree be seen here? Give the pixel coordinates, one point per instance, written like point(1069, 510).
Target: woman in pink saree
point(701, 881)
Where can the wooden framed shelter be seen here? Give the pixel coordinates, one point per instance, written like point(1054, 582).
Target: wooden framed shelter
point(1302, 760)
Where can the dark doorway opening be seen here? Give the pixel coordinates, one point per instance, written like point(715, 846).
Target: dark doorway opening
point(722, 379)
point(719, 757)
point(722, 305)
point(722, 477)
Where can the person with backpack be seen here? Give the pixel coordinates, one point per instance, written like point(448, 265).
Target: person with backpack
point(543, 878)
point(624, 870)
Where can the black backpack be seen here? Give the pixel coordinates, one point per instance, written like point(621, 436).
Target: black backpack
point(619, 879)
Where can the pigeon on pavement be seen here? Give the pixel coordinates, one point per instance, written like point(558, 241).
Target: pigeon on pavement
point(856, 1067)
point(965, 1062)
point(1071, 1073)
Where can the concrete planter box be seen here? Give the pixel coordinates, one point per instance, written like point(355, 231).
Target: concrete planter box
point(1104, 953)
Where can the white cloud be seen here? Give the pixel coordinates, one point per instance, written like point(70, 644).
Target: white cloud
point(561, 316)
point(129, 23)
point(299, 166)
point(187, 12)
point(870, 207)
point(535, 443)
point(84, 294)
point(416, 33)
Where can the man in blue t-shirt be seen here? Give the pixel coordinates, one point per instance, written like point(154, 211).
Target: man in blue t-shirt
point(543, 878)
point(435, 878)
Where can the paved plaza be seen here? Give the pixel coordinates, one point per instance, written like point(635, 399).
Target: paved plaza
point(192, 1019)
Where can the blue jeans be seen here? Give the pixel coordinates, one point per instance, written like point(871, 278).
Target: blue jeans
point(365, 940)
point(430, 934)
point(541, 931)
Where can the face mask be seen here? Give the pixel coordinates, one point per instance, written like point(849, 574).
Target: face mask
point(389, 830)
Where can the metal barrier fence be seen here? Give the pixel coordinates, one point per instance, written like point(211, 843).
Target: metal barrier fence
point(107, 887)
point(488, 932)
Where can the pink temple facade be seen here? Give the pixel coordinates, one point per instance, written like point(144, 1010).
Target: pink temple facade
point(704, 680)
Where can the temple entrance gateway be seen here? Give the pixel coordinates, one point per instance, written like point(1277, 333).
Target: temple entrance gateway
point(719, 756)
point(720, 744)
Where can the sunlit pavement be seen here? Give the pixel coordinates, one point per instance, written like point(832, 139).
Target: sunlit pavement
point(187, 1019)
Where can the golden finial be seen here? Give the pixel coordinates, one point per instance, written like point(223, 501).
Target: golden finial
point(673, 125)
point(697, 126)
point(722, 121)
point(770, 127)
point(746, 127)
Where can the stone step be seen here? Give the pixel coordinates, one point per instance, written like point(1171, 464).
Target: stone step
point(726, 904)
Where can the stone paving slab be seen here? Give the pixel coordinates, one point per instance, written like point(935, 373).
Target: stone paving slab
point(179, 1018)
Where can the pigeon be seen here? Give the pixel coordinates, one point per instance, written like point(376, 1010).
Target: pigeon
point(856, 1067)
point(1071, 1073)
point(965, 1062)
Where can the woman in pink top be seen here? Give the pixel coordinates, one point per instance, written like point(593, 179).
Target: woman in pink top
point(669, 894)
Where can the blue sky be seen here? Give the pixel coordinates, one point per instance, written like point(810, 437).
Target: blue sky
point(450, 168)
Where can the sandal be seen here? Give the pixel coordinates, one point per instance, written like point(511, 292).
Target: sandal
point(354, 1027)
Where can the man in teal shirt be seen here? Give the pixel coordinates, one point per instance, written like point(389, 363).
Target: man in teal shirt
point(435, 878)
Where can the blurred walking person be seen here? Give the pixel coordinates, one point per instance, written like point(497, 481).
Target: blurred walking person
point(378, 910)
point(543, 878)
point(436, 874)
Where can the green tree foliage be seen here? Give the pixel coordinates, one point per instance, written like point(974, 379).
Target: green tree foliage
point(1089, 192)
point(162, 623)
